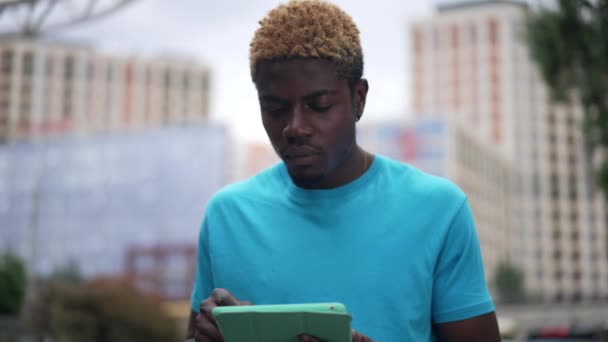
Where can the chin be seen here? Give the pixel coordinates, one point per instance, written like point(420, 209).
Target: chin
point(305, 177)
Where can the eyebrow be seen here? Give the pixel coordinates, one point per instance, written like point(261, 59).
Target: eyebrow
point(310, 96)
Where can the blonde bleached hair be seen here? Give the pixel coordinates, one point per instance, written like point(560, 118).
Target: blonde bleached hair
point(308, 29)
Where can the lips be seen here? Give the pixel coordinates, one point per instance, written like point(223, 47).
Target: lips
point(300, 155)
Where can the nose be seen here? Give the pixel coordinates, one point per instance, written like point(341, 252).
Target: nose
point(298, 125)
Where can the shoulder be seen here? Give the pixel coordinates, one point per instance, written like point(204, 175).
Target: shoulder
point(416, 184)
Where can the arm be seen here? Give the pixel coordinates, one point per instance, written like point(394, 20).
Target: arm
point(462, 308)
point(482, 328)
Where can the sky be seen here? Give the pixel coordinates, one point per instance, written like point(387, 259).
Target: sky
point(218, 34)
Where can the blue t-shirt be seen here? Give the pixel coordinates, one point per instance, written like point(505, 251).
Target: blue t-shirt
point(397, 246)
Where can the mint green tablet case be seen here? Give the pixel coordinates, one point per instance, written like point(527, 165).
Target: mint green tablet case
point(283, 323)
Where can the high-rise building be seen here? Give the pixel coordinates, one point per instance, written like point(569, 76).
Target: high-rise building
point(446, 149)
point(249, 158)
point(470, 60)
point(48, 89)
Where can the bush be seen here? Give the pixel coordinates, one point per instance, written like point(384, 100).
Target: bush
point(13, 282)
point(99, 311)
point(509, 282)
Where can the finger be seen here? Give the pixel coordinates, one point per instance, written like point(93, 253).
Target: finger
point(357, 337)
point(223, 298)
point(198, 337)
point(206, 329)
point(207, 310)
point(308, 338)
point(245, 302)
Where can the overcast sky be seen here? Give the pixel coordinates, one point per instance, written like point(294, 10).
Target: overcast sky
point(217, 33)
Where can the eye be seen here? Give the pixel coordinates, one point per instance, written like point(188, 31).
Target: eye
point(274, 111)
point(319, 108)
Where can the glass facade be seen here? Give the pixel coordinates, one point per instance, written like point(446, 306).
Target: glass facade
point(89, 199)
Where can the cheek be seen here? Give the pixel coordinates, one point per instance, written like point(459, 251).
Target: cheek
point(274, 129)
point(340, 136)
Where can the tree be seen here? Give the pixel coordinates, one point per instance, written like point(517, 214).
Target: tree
point(100, 310)
point(12, 285)
point(570, 46)
point(509, 281)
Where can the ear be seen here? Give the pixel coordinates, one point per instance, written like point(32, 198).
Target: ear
point(360, 95)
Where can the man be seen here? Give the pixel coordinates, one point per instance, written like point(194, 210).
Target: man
point(333, 222)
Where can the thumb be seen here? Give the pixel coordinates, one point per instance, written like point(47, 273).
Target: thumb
point(223, 298)
point(308, 338)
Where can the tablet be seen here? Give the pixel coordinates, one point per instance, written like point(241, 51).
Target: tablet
point(283, 323)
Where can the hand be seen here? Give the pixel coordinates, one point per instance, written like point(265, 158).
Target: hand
point(205, 328)
point(356, 338)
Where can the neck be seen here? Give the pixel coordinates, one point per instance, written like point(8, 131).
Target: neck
point(352, 167)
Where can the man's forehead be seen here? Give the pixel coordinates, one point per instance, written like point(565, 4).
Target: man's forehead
point(301, 76)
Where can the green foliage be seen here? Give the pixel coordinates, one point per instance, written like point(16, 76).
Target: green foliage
point(570, 47)
point(99, 311)
point(13, 283)
point(509, 281)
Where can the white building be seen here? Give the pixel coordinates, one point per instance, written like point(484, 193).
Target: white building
point(470, 60)
point(48, 89)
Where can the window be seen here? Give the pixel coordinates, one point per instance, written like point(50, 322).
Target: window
point(556, 216)
point(48, 65)
point(556, 234)
point(553, 157)
point(576, 256)
point(68, 68)
point(109, 73)
point(574, 219)
point(570, 120)
point(7, 61)
point(557, 275)
point(559, 296)
point(552, 138)
point(28, 63)
point(554, 186)
point(186, 80)
point(570, 139)
point(557, 255)
point(536, 185)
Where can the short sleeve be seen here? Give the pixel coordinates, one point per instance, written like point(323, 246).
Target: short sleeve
point(459, 286)
point(203, 279)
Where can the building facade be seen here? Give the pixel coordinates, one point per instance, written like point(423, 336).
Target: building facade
point(470, 60)
point(49, 89)
point(247, 158)
point(90, 199)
